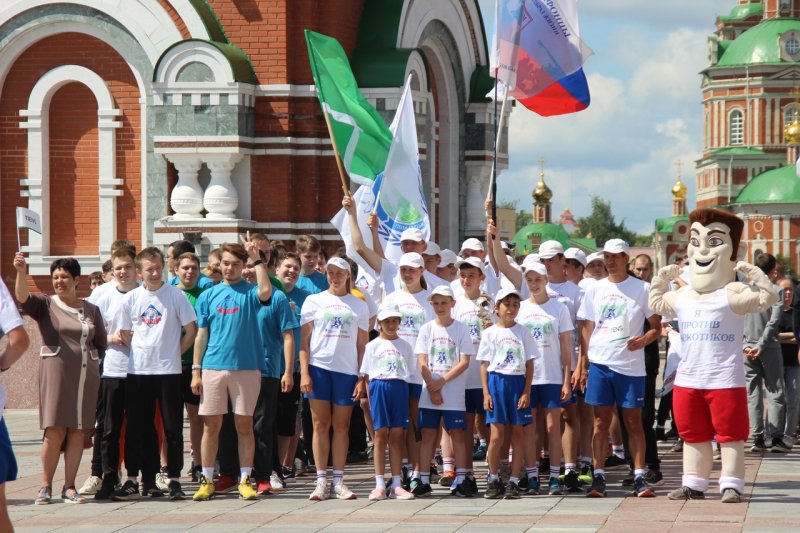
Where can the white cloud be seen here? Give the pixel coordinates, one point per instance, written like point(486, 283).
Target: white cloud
point(658, 14)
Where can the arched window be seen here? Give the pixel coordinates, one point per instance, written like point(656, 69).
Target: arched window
point(736, 127)
point(789, 114)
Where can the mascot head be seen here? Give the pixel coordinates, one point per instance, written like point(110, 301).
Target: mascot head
point(714, 237)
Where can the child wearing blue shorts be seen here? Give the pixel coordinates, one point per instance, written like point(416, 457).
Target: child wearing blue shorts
point(506, 353)
point(443, 349)
point(387, 364)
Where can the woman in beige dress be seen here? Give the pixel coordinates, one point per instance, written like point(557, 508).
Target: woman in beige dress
point(73, 342)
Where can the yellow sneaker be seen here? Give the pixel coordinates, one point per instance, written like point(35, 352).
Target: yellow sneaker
point(246, 490)
point(205, 491)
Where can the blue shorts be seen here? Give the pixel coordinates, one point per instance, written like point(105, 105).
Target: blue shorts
point(429, 418)
point(474, 401)
point(573, 398)
point(606, 388)
point(505, 391)
point(414, 390)
point(8, 463)
point(388, 402)
point(546, 396)
point(330, 386)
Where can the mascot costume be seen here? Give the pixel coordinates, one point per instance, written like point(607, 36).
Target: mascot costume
point(709, 392)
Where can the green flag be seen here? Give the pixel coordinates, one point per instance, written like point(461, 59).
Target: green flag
point(362, 137)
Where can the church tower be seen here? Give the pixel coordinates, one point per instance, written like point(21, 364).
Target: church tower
point(542, 197)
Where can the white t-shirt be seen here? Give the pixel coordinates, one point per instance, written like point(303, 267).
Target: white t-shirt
point(416, 310)
point(109, 302)
point(490, 285)
point(585, 283)
point(618, 311)
point(337, 321)
point(390, 276)
point(472, 313)
point(571, 295)
point(9, 319)
point(546, 322)
point(156, 319)
point(507, 349)
point(367, 283)
point(388, 359)
point(444, 347)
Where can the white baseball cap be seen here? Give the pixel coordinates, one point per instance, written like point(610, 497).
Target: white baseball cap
point(339, 263)
point(529, 260)
point(502, 293)
point(387, 311)
point(411, 259)
point(550, 249)
point(472, 244)
point(412, 234)
point(537, 267)
point(447, 257)
point(432, 249)
point(473, 261)
point(577, 254)
point(441, 290)
point(594, 256)
point(616, 246)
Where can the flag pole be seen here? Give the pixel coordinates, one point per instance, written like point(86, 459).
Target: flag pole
point(340, 166)
point(498, 123)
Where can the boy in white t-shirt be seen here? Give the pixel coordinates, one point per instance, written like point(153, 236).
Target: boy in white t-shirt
point(387, 364)
point(443, 349)
point(506, 353)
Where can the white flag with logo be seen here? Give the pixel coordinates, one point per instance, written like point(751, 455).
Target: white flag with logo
point(29, 219)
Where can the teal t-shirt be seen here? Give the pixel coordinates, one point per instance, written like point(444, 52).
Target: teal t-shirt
point(275, 319)
point(315, 283)
point(296, 299)
point(187, 357)
point(230, 312)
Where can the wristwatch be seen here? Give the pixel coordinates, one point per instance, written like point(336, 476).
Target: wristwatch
point(197, 367)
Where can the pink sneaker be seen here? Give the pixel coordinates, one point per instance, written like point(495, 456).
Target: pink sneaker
point(377, 494)
point(399, 493)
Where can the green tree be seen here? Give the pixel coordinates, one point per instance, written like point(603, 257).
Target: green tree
point(601, 225)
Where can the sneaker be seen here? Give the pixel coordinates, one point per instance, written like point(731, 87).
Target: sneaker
point(107, 488)
point(494, 490)
point(758, 445)
point(678, 446)
point(70, 495)
point(377, 494)
point(571, 481)
point(399, 493)
point(717, 453)
point(287, 474)
point(421, 490)
point(654, 477)
point(462, 490)
point(128, 491)
point(224, 484)
point(641, 489)
point(730, 495)
point(685, 493)
point(434, 474)
point(778, 446)
point(555, 487)
point(357, 458)
point(45, 496)
point(205, 491)
point(586, 475)
point(150, 489)
point(438, 459)
point(175, 490)
point(473, 484)
point(263, 488)
point(629, 479)
point(90, 486)
point(162, 480)
point(661, 435)
point(277, 483)
point(598, 488)
point(405, 479)
point(613, 461)
point(533, 487)
point(371, 451)
point(320, 491)
point(197, 471)
point(246, 490)
point(447, 478)
point(523, 481)
point(672, 434)
point(480, 453)
point(341, 492)
point(512, 491)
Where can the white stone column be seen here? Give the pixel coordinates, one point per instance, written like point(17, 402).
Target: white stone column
point(478, 175)
point(187, 196)
point(221, 198)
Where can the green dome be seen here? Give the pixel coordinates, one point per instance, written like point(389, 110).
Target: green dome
point(742, 12)
point(778, 186)
point(759, 44)
point(544, 231)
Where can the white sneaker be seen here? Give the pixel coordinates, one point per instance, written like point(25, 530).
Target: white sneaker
point(277, 483)
point(341, 492)
point(320, 492)
point(162, 481)
point(91, 486)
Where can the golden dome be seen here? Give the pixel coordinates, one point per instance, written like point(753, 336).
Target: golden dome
point(542, 193)
point(679, 190)
point(792, 132)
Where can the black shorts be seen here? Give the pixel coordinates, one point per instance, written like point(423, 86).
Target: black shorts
point(288, 404)
point(186, 386)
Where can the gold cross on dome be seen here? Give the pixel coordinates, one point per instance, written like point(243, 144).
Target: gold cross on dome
point(541, 164)
point(679, 164)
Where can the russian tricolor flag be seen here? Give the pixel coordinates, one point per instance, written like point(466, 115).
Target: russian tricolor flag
point(538, 55)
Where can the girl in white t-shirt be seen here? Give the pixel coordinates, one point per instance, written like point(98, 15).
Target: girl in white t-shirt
point(549, 322)
point(412, 301)
point(333, 336)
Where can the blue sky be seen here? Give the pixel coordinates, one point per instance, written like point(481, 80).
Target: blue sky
point(645, 115)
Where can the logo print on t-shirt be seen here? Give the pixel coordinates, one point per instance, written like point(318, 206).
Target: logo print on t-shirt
point(509, 360)
point(151, 316)
point(336, 322)
point(228, 306)
point(537, 334)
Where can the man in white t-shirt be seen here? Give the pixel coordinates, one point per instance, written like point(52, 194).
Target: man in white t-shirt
point(614, 310)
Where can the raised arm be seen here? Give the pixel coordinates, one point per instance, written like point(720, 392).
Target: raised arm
point(500, 258)
point(661, 300)
point(372, 258)
point(21, 284)
point(753, 298)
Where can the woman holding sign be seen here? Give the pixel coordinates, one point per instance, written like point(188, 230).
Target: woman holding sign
point(73, 342)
